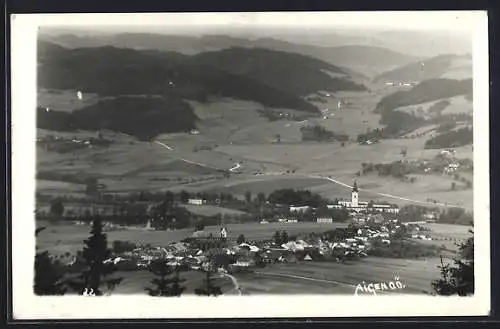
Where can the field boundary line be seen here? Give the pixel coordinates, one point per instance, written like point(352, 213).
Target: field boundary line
point(306, 278)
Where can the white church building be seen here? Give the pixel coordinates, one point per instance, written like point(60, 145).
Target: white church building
point(358, 206)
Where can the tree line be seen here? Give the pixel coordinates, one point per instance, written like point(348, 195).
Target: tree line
point(319, 133)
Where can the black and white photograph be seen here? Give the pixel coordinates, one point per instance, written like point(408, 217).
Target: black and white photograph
point(274, 164)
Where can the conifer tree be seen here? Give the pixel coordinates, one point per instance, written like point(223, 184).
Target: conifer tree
point(459, 278)
point(48, 274)
point(97, 267)
point(167, 281)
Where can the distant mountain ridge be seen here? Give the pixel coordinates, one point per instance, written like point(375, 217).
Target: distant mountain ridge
point(114, 71)
point(369, 60)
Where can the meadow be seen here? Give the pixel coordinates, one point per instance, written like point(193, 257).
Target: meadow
point(309, 277)
point(64, 100)
point(335, 278)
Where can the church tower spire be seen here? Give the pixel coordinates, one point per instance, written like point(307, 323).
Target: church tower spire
point(354, 195)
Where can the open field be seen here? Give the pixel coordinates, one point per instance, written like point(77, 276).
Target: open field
point(307, 278)
point(267, 184)
point(64, 100)
point(331, 277)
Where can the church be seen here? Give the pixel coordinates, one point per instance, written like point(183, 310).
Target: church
point(359, 206)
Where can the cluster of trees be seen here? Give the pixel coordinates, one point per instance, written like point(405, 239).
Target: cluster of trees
point(403, 249)
point(321, 134)
point(280, 237)
point(456, 216)
point(438, 107)
point(458, 278)
point(397, 169)
point(142, 117)
point(296, 198)
point(396, 123)
point(446, 126)
point(453, 138)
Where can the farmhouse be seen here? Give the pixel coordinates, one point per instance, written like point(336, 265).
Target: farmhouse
point(299, 209)
point(324, 220)
point(197, 202)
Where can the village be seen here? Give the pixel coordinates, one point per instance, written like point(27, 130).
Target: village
point(226, 253)
point(367, 233)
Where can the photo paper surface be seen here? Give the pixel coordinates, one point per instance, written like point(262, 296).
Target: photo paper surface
point(243, 165)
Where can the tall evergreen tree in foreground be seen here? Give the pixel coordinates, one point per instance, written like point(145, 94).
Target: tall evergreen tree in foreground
point(48, 274)
point(167, 281)
point(458, 279)
point(208, 288)
point(97, 269)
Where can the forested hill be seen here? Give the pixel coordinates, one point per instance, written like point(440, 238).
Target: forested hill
point(424, 92)
point(109, 71)
point(142, 117)
point(291, 72)
point(442, 66)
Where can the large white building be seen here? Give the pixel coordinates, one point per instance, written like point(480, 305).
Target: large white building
point(357, 206)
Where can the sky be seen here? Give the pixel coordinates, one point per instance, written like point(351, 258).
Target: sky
point(407, 32)
point(414, 20)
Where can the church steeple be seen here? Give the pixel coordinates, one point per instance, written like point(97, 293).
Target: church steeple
point(354, 195)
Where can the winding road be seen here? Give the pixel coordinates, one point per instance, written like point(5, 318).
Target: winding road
point(235, 282)
point(386, 194)
point(164, 146)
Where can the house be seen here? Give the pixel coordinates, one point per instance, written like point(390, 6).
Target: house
point(223, 233)
point(197, 202)
point(378, 218)
point(327, 220)
point(299, 208)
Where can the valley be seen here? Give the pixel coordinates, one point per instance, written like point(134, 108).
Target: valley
point(170, 145)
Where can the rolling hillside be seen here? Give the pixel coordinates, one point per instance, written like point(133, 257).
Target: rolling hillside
point(443, 66)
